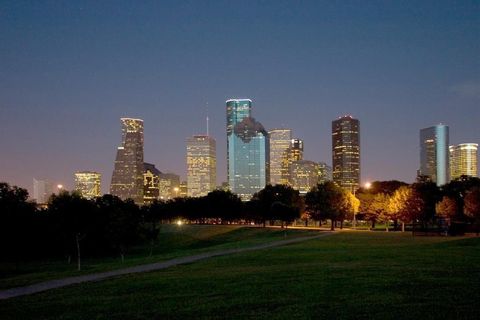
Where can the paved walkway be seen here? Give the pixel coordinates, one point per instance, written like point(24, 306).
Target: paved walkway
point(59, 283)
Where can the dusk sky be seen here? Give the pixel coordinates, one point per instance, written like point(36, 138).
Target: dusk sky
point(70, 70)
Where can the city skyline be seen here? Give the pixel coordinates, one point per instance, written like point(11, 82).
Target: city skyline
point(397, 67)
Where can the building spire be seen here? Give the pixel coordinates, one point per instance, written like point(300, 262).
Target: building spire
point(208, 133)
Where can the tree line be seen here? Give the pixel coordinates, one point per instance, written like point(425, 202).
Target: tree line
point(72, 226)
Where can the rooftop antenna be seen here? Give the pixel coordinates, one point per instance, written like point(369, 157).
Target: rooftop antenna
point(208, 133)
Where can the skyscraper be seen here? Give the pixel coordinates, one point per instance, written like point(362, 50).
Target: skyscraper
point(87, 183)
point(127, 178)
point(463, 160)
point(279, 144)
point(325, 172)
point(304, 175)
point(201, 165)
point(434, 154)
point(42, 190)
point(293, 153)
point(167, 184)
point(151, 184)
point(346, 152)
point(247, 150)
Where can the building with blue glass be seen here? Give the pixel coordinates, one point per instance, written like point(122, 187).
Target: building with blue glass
point(247, 150)
point(434, 154)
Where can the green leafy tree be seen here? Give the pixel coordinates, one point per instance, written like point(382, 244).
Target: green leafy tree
point(279, 202)
point(326, 201)
point(73, 216)
point(18, 229)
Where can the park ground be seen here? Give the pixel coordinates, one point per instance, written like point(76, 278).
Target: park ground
point(356, 275)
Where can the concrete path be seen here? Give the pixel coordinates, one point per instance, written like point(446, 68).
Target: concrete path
point(59, 283)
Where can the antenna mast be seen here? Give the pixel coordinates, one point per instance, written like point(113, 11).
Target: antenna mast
point(208, 133)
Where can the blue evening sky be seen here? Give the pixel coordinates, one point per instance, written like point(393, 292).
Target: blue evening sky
point(69, 70)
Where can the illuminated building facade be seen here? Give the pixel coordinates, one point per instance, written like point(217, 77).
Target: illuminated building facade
point(87, 184)
point(434, 154)
point(463, 160)
point(42, 190)
point(280, 140)
point(324, 173)
point(237, 110)
point(127, 177)
point(201, 165)
point(293, 153)
point(304, 175)
point(346, 153)
point(151, 183)
point(168, 185)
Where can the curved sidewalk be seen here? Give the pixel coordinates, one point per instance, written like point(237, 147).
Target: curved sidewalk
point(59, 283)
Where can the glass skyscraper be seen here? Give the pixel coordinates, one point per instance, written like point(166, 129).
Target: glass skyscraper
point(127, 177)
point(279, 144)
point(87, 183)
point(247, 150)
point(434, 154)
point(201, 165)
point(346, 152)
point(463, 160)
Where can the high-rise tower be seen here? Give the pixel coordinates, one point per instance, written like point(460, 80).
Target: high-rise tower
point(346, 152)
point(247, 150)
point(463, 160)
point(201, 165)
point(87, 183)
point(127, 178)
point(279, 144)
point(434, 154)
point(293, 153)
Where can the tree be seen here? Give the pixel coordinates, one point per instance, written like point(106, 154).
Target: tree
point(289, 199)
point(472, 206)
point(18, 227)
point(446, 208)
point(223, 205)
point(123, 222)
point(366, 207)
point(326, 201)
point(381, 209)
point(73, 216)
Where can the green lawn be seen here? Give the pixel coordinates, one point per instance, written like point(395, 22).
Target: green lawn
point(174, 241)
point(360, 275)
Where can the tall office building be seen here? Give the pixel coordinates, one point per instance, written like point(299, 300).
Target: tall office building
point(87, 183)
point(463, 160)
point(346, 152)
point(247, 150)
point(151, 185)
point(325, 172)
point(168, 185)
point(127, 177)
point(201, 165)
point(293, 153)
point(42, 190)
point(304, 175)
point(279, 143)
point(434, 154)
point(237, 110)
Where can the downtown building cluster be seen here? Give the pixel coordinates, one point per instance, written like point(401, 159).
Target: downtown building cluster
point(441, 162)
point(257, 157)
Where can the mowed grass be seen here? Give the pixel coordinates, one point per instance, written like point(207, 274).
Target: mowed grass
point(349, 275)
point(174, 241)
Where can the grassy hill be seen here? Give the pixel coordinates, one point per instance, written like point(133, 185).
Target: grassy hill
point(360, 275)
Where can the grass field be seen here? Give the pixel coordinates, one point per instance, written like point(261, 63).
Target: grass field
point(356, 275)
point(174, 241)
